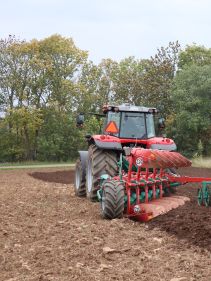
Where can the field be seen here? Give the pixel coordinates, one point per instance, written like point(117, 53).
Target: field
point(46, 233)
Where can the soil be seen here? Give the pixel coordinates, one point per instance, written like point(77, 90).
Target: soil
point(46, 233)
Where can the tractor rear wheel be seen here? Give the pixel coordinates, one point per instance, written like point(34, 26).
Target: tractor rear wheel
point(112, 204)
point(99, 162)
point(80, 181)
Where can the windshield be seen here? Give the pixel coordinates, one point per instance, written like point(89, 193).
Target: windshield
point(133, 125)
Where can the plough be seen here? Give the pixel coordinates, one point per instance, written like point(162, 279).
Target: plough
point(143, 188)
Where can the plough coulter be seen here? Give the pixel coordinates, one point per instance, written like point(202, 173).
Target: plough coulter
point(130, 170)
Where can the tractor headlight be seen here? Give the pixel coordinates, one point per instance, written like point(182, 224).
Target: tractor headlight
point(137, 209)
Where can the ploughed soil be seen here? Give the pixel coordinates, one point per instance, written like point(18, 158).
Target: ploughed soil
point(46, 233)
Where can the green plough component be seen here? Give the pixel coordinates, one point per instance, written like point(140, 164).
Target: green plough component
point(125, 165)
point(175, 184)
point(99, 192)
point(142, 196)
point(204, 194)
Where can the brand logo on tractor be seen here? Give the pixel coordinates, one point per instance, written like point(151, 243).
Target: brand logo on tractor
point(139, 161)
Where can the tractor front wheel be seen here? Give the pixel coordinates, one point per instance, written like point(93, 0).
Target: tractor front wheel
point(112, 203)
point(99, 162)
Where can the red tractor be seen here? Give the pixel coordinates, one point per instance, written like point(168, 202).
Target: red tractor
point(127, 168)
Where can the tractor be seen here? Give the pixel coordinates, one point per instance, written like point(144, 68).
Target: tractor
point(129, 169)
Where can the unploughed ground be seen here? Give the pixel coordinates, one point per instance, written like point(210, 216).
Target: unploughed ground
point(46, 233)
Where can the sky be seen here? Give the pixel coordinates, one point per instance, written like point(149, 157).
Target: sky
point(113, 29)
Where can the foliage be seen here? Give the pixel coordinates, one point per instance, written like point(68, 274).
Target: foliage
point(194, 55)
point(190, 123)
point(58, 137)
point(45, 83)
point(158, 77)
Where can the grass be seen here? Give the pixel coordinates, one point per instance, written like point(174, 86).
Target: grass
point(196, 162)
point(31, 163)
point(201, 162)
point(35, 164)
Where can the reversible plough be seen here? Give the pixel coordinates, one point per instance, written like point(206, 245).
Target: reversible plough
point(143, 188)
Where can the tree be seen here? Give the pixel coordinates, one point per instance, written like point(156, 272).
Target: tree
point(105, 88)
point(128, 81)
point(36, 76)
point(147, 82)
point(194, 55)
point(190, 123)
point(158, 77)
point(65, 65)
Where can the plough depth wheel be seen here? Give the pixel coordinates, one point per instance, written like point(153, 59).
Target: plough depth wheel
point(204, 195)
point(207, 197)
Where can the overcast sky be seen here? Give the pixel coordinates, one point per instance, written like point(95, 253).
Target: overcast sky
point(110, 28)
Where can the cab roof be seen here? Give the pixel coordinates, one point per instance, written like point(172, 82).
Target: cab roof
point(129, 108)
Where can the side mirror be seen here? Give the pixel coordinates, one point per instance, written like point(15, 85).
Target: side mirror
point(161, 123)
point(80, 120)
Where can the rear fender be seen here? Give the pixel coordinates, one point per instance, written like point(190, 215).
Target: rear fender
point(161, 143)
point(109, 142)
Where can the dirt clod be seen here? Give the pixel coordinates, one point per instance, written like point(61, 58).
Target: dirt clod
point(107, 250)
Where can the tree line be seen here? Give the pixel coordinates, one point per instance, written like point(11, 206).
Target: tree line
point(45, 83)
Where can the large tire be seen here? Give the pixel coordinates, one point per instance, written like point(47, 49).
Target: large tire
point(99, 162)
point(112, 204)
point(80, 180)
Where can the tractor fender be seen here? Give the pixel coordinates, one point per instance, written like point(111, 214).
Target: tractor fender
point(83, 158)
point(106, 142)
point(108, 145)
point(161, 143)
point(168, 147)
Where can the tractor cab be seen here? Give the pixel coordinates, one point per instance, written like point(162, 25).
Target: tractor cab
point(129, 122)
point(129, 125)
